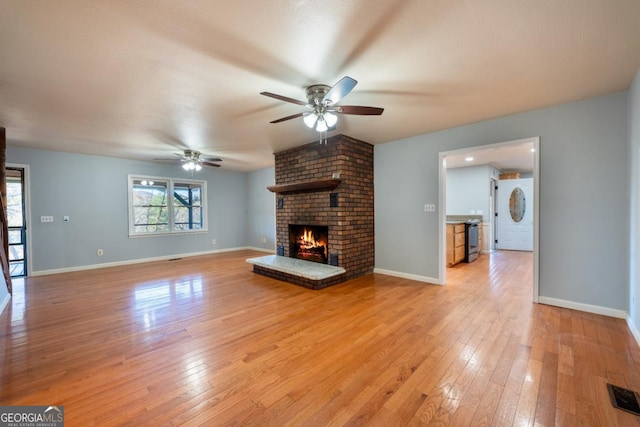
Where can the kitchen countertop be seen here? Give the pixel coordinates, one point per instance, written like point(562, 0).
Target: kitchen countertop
point(459, 219)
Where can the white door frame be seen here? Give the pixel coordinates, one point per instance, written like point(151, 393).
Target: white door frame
point(493, 228)
point(442, 211)
point(27, 210)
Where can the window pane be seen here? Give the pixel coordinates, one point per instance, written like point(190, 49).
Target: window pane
point(150, 193)
point(196, 196)
point(185, 222)
point(152, 217)
point(197, 216)
point(16, 252)
point(15, 236)
point(14, 204)
point(16, 268)
point(182, 218)
point(187, 201)
point(150, 209)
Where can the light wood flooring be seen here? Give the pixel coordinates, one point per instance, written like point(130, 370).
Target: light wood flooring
point(204, 341)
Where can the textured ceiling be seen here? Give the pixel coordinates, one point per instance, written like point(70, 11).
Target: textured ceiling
point(140, 79)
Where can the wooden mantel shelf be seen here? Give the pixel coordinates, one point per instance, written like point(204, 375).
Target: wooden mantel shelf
point(320, 185)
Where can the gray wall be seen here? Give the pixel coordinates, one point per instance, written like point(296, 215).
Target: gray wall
point(92, 190)
point(261, 214)
point(468, 190)
point(584, 201)
point(584, 209)
point(634, 197)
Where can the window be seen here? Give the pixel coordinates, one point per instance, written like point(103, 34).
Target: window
point(187, 206)
point(152, 211)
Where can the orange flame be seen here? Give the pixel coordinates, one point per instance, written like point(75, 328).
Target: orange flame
point(307, 240)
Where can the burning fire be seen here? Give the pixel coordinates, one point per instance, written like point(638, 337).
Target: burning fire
point(307, 241)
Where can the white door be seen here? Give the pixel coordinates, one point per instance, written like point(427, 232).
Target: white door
point(515, 214)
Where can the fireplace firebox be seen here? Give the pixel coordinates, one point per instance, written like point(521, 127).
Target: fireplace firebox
point(309, 242)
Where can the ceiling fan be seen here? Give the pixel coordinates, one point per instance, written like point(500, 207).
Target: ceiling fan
point(191, 160)
point(322, 100)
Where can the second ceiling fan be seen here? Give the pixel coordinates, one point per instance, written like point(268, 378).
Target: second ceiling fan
point(322, 100)
point(191, 160)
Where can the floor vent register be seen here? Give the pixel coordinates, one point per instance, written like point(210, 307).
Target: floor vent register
point(624, 399)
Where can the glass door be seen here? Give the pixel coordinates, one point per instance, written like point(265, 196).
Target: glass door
point(16, 222)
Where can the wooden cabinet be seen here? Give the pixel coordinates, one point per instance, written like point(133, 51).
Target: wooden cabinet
point(455, 243)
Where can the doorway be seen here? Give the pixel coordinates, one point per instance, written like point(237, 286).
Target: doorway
point(17, 221)
point(489, 154)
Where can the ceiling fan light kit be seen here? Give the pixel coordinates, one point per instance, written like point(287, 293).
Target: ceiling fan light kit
point(190, 165)
point(191, 161)
point(321, 99)
point(321, 126)
point(310, 120)
point(330, 118)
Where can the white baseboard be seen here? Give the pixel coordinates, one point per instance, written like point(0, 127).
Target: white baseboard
point(633, 329)
point(426, 279)
point(135, 261)
point(253, 248)
point(595, 309)
point(5, 302)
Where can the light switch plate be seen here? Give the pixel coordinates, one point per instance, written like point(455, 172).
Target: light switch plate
point(46, 219)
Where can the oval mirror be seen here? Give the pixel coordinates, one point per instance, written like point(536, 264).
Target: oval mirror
point(517, 205)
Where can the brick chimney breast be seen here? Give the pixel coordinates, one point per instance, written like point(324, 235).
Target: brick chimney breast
point(346, 209)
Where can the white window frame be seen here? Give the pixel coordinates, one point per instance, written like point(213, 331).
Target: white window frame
point(170, 186)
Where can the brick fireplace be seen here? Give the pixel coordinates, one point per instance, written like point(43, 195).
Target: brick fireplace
point(329, 185)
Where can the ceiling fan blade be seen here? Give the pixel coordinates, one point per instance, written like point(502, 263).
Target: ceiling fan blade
point(211, 159)
point(356, 109)
point(215, 165)
point(283, 98)
point(340, 90)
point(294, 116)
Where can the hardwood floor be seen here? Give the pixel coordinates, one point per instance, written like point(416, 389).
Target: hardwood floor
point(204, 341)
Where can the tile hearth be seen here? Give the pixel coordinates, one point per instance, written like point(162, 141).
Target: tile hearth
point(309, 274)
point(298, 267)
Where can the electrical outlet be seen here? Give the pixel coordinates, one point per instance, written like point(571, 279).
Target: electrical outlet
point(264, 240)
point(213, 242)
point(100, 252)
